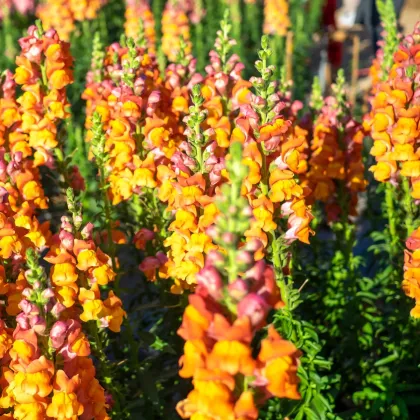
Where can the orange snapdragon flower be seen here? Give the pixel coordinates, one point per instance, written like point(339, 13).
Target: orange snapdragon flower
point(394, 120)
point(174, 26)
point(276, 17)
point(135, 11)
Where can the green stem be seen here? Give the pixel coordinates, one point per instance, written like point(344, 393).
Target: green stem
point(44, 76)
point(389, 201)
point(104, 363)
point(409, 216)
point(111, 245)
point(277, 255)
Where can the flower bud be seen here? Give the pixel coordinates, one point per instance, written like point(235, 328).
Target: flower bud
point(87, 231)
point(58, 334)
point(57, 309)
point(255, 308)
point(48, 293)
point(23, 321)
point(238, 289)
point(67, 239)
point(38, 324)
point(210, 278)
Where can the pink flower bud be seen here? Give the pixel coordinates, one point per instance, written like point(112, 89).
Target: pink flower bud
point(229, 238)
point(3, 195)
point(48, 293)
point(238, 289)
point(245, 257)
point(57, 309)
point(210, 279)
point(255, 308)
point(212, 232)
point(142, 237)
point(247, 211)
point(214, 258)
point(67, 239)
point(24, 6)
point(65, 224)
point(256, 273)
point(154, 97)
point(28, 308)
point(38, 324)
point(87, 231)
point(58, 334)
point(23, 321)
point(253, 245)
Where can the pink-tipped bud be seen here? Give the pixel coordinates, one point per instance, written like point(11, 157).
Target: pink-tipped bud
point(214, 258)
point(57, 309)
point(210, 279)
point(28, 308)
point(256, 273)
point(65, 224)
point(48, 293)
point(67, 239)
point(238, 289)
point(38, 324)
point(255, 308)
point(23, 321)
point(58, 334)
point(229, 238)
point(27, 293)
point(87, 231)
point(213, 232)
point(142, 237)
point(154, 97)
point(36, 285)
point(247, 211)
point(245, 258)
point(253, 245)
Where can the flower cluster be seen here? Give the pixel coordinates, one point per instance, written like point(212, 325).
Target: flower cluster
point(189, 181)
point(395, 116)
point(78, 270)
point(44, 69)
point(48, 372)
point(231, 303)
point(411, 282)
point(175, 27)
point(31, 121)
point(45, 350)
point(63, 14)
point(140, 23)
point(336, 170)
point(120, 102)
point(24, 7)
point(273, 150)
point(276, 17)
point(388, 44)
